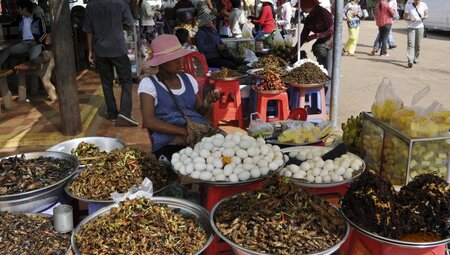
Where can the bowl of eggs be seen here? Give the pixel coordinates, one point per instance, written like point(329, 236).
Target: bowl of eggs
point(314, 172)
point(234, 159)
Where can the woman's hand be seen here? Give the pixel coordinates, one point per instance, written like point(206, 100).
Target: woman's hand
point(211, 98)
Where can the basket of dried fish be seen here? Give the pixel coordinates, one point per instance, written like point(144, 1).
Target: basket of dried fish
point(416, 217)
point(87, 148)
point(159, 225)
point(31, 182)
point(118, 171)
point(279, 219)
point(31, 233)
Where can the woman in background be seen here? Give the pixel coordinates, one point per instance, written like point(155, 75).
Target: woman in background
point(265, 21)
point(353, 14)
point(415, 13)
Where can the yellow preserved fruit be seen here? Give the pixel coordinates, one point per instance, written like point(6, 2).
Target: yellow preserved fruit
point(385, 110)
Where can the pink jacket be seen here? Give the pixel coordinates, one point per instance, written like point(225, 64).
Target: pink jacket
point(384, 13)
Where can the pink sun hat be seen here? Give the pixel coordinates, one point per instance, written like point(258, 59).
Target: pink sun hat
point(166, 48)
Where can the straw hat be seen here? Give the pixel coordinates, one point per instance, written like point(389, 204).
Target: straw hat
point(204, 18)
point(166, 48)
point(308, 4)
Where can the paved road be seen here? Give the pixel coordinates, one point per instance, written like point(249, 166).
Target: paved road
point(361, 75)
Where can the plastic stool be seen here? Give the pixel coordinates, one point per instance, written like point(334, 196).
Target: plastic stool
point(298, 100)
point(214, 195)
point(229, 107)
point(361, 244)
point(283, 105)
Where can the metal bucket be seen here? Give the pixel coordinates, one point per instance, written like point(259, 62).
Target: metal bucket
point(39, 199)
point(104, 143)
point(239, 250)
point(178, 205)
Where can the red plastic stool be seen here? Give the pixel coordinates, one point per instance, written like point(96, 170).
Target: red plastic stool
point(361, 244)
point(283, 105)
point(229, 107)
point(214, 195)
point(303, 90)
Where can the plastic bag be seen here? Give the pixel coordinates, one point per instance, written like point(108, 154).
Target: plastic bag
point(258, 127)
point(250, 56)
point(278, 40)
point(386, 101)
point(145, 189)
point(365, 13)
point(300, 132)
point(414, 121)
point(288, 41)
point(441, 117)
point(246, 31)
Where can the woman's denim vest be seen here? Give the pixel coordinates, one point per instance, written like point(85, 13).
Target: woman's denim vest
point(167, 111)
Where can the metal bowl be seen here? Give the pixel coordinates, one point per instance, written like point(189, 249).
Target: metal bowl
point(393, 241)
point(306, 184)
point(242, 75)
point(69, 250)
point(267, 92)
point(107, 144)
point(311, 85)
point(239, 250)
point(173, 179)
point(38, 199)
point(178, 205)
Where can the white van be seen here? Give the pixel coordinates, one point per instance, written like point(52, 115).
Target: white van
point(438, 15)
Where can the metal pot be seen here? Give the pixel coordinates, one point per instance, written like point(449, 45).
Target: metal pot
point(104, 143)
point(239, 250)
point(39, 199)
point(179, 205)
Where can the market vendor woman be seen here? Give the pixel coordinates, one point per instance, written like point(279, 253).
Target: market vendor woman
point(160, 114)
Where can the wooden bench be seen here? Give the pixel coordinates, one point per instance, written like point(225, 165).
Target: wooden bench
point(4, 89)
point(43, 69)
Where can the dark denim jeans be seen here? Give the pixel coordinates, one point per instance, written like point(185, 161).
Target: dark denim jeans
point(105, 67)
point(384, 35)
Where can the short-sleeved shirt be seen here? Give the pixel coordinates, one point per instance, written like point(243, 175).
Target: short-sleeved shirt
point(414, 14)
point(146, 86)
point(106, 20)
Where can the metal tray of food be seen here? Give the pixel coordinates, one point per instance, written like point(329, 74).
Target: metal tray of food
point(252, 72)
point(69, 249)
point(393, 241)
point(227, 78)
point(267, 92)
point(39, 198)
point(188, 179)
point(311, 85)
point(304, 183)
point(182, 206)
point(243, 251)
point(174, 178)
point(276, 142)
point(107, 144)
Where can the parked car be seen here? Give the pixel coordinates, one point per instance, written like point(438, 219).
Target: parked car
point(438, 15)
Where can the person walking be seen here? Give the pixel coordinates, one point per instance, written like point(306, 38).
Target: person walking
point(104, 24)
point(384, 23)
point(353, 14)
point(391, 41)
point(415, 13)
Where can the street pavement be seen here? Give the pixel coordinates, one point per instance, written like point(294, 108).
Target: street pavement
point(360, 75)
